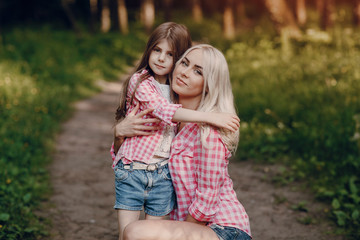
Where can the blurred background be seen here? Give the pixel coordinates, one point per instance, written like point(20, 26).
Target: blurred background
point(295, 70)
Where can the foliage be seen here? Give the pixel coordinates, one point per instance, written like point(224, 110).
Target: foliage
point(299, 102)
point(39, 78)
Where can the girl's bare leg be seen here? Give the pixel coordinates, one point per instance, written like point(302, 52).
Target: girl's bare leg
point(126, 217)
point(167, 230)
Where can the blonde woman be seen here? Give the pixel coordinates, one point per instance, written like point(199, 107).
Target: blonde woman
point(207, 205)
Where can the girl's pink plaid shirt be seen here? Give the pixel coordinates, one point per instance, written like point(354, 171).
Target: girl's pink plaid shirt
point(201, 180)
point(142, 148)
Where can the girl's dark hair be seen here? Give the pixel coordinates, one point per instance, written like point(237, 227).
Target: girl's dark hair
point(179, 40)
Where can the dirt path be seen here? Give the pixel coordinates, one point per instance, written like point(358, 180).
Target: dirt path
point(82, 178)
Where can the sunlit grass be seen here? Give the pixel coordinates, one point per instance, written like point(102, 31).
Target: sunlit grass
point(39, 78)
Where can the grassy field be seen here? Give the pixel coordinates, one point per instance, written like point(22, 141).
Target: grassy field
point(39, 79)
point(298, 102)
point(299, 105)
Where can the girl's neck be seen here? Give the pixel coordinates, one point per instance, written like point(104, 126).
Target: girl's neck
point(161, 79)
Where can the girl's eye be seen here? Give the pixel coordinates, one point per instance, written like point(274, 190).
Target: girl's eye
point(198, 72)
point(183, 63)
point(170, 54)
point(156, 50)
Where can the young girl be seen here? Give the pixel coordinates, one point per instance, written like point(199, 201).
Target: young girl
point(142, 178)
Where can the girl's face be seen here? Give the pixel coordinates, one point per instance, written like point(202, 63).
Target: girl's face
point(188, 79)
point(161, 60)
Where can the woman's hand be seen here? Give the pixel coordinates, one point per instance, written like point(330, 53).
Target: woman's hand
point(133, 125)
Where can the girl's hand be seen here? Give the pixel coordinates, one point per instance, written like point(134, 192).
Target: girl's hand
point(133, 125)
point(228, 121)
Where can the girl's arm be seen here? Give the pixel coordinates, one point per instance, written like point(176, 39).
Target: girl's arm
point(227, 121)
point(169, 113)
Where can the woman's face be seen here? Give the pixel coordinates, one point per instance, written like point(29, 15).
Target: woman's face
point(188, 80)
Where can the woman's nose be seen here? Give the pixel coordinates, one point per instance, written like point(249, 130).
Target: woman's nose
point(185, 72)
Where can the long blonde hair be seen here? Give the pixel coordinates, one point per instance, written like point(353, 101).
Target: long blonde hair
point(217, 93)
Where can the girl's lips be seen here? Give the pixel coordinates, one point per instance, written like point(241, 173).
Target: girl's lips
point(158, 66)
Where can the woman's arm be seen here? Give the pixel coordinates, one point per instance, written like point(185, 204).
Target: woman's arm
point(133, 125)
point(210, 164)
point(227, 121)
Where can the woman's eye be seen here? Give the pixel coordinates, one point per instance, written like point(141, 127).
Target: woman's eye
point(170, 54)
point(198, 72)
point(183, 63)
point(156, 50)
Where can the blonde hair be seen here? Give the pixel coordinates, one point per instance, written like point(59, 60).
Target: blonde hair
point(217, 93)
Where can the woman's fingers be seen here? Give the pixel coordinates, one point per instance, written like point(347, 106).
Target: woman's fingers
point(136, 108)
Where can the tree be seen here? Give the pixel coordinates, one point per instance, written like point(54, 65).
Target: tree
point(147, 14)
point(168, 9)
point(197, 11)
point(239, 12)
point(283, 18)
point(122, 17)
point(105, 16)
point(327, 14)
point(70, 15)
point(229, 20)
point(93, 13)
point(301, 12)
point(356, 5)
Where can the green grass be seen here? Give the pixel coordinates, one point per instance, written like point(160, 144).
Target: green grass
point(43, 70)
point(298, 102)
point(299, 105)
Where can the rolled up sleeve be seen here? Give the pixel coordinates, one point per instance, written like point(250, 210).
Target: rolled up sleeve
point(149, 97)
point(210, 169)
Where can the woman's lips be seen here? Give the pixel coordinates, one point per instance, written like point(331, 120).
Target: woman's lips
point(180, 82)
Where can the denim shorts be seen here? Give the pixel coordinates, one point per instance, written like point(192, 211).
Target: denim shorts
point(229, 233)
point(152, 191)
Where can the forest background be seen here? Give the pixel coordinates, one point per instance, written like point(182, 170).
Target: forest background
point(295, 70)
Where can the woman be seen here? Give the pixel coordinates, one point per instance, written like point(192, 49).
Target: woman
point(207, 204)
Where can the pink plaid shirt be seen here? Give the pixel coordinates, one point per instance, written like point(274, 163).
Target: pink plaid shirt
point(201, 180)
point(142, 148)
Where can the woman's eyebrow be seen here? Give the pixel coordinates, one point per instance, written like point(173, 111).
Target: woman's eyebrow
point(198, 66)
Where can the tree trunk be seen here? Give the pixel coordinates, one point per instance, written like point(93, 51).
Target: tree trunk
point(239, 12)
point(123, 17)
point(228, 20)
point(148, 14)
point(93, 14)
point(70, 16)
point(301, 12)
point(319, 5)
point(105, 17)
point(327, 14)
point(197, 11)
point(168, 9)
point(356, 4)
point(282, 17)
